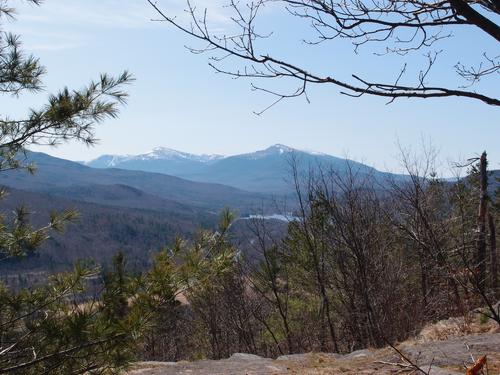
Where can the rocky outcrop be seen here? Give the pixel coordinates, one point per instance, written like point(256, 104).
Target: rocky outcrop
point(445, 357)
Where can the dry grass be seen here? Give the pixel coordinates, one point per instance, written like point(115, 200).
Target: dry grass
point(455, 327)
point(320, 364)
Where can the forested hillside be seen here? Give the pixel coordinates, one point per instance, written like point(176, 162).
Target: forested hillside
point(54, 175)
point(99, 232)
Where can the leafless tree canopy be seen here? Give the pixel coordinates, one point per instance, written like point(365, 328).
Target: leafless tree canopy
point(401, 26)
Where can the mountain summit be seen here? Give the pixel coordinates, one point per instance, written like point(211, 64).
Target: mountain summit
point(260, 171)
point(158, 153)
point(169, 154)
point(277, 149)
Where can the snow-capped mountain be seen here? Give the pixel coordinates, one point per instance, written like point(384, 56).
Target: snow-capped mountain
point(260, 171)
point(158, 153)
point(277, 149)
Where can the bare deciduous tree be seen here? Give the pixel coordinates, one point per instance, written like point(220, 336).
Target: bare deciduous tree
point(402, 27)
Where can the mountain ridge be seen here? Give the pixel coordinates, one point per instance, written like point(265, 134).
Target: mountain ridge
point(59, 176)
point(262, 171)
point(166, 153)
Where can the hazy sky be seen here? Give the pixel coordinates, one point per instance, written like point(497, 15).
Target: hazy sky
point(179, 102)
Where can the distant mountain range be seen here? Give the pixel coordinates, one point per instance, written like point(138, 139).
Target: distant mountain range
point(265, 171)
point(119, 187)
point(134, 211)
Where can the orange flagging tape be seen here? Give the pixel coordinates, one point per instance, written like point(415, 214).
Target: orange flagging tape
point(478, 366)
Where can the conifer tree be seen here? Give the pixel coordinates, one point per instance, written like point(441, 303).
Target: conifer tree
point(69, 115)
point(53, 329)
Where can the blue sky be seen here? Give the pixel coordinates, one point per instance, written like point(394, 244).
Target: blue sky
point(179, 102)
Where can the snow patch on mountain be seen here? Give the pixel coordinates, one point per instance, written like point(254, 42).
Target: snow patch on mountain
point(158, 153)
point(277, 149)
point(168, 154)
point(165, 153)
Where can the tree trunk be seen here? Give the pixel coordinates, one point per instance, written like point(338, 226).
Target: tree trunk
point(481, 224)
point(493, 254)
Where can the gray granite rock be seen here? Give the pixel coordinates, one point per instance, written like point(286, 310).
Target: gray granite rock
point(245, 357)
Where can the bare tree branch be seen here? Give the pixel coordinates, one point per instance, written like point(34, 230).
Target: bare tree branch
point(404, 26)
